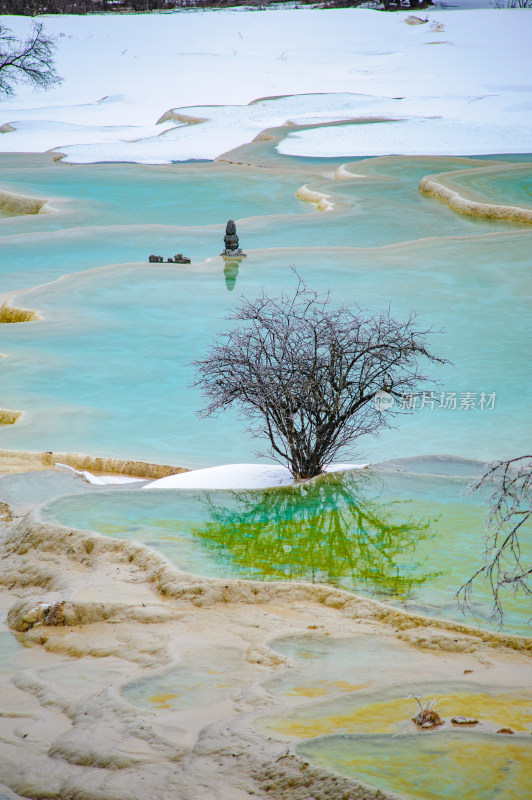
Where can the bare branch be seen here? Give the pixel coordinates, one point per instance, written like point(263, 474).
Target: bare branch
point(30, 61)
point(510, 508)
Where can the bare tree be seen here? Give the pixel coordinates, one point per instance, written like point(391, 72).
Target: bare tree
point(510, 508)
point(29, 61)
point(309, 377)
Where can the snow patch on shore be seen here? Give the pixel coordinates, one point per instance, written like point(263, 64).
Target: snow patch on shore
point(237, 476)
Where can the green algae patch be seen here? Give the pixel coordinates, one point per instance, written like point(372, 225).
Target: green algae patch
point(431, 766)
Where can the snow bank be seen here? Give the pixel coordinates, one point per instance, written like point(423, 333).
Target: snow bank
point(236, 476)
point(226, 476)
point(457, 83)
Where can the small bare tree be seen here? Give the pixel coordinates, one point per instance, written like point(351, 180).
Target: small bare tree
point(510, 508)
point(30, 61)
point(308, 377)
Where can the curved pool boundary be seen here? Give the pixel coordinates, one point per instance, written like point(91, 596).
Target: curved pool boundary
point(440, 187)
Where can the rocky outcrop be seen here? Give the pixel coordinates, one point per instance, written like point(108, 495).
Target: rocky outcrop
point(231, 241)
point(179, 258)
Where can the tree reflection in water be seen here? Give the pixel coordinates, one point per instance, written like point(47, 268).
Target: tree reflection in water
point(329, 530)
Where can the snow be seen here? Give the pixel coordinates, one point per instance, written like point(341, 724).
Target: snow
point(226, 476)
point(237, 476)
point(455, 84)
point(448, 137)
point(98, 480)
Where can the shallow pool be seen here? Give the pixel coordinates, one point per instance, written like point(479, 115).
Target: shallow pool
point(431, 766)
point(407, 538)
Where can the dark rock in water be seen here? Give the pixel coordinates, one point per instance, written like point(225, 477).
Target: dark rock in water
point(505, 730)
point(230, 238)
point(177, 259)
point(231, 241)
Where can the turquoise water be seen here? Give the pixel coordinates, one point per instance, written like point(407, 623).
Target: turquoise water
point(349, 707)
point(117, 194)
point(118, 213)
point(10, 647)
point(405, 538)
point(512, 184)
point(106, 370)
point(339, 721)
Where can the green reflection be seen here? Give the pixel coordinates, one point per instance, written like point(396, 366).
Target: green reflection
point(231, 274)
point(327, 530)
point(408, 537)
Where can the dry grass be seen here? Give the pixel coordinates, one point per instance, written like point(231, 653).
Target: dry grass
point(427, 716)
point(11, 314)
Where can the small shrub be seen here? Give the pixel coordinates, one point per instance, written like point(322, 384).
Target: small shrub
point(427, 716)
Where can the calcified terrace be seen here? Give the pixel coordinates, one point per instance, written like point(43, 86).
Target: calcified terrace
point(95, 614)
point(123, 675)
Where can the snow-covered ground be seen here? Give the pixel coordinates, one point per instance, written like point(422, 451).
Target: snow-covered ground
point(237, 476)
point(225, 476)
point(455, 83)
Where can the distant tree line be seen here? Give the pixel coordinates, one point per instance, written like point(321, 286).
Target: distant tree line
point(35, 7)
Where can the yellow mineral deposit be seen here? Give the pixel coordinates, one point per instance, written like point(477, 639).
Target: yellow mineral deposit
point(161, 700)
point(325, 687)
point(20, 204)
point(320, 200)
point(394, 716)
point(9, 314)
point(9, 417)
